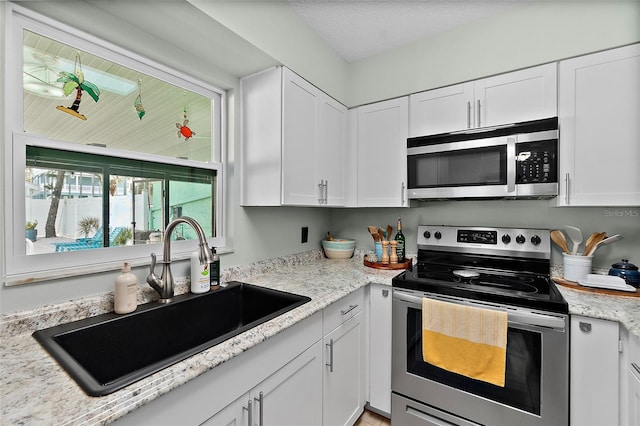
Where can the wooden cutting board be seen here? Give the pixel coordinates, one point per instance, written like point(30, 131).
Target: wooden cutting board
point(379, 265)
point(574, 285)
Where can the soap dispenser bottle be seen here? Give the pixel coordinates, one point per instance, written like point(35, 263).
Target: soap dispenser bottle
point(199, 274)
point(126, 291)
point(215, 268)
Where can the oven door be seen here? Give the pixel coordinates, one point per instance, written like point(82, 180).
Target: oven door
point(466, 169)
point(536, 385)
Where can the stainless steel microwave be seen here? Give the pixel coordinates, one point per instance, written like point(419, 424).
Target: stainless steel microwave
point(511, 161)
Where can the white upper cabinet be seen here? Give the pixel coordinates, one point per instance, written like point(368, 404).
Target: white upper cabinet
point(517, 96)
point(294, 141)
point(332, 156)
point(300, 129)
point(382, 131)
point(441, 110)
point(599, 110)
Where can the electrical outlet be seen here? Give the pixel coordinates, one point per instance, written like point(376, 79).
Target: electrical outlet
point(305, 234)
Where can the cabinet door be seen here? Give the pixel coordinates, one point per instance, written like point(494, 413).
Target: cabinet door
point(594, 372)
point(441, 110)
point(343, 396)
point(634, 394)
point(293, 394)
point(517, 96)
point(632, 375)
point(599, 106)
point(383, 128)
point(331, 150)
point(380, 348)
point(299, 133)
point(261, 145)
point(234, 414)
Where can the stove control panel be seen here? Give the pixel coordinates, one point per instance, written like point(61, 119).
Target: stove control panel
point(519, 242)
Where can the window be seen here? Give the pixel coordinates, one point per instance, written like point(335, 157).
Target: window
point(111, 148)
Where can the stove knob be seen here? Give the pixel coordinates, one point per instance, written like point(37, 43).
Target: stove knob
point(438, 235)
point(520, 239)
point(427, 234)
point(506, 238)
point(535, 240)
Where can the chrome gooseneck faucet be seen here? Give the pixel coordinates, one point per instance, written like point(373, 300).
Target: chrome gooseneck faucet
point(164, 283)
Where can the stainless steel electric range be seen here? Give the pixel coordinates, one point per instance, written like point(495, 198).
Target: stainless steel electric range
point(494, 268)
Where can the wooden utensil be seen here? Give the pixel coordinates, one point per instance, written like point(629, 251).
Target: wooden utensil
point(593, 242)
point(590, 239)
point(374, 232)
point(381, 234)
point(559, 239)
point(606, 241)
point(389, 232)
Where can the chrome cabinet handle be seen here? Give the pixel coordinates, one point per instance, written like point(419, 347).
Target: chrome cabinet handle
point(351, 308)
point(402, 187)
point(249, 408)
point(321, 191)
point(468, 114)
point(566, 188)
point(260, 399)
point(478, 113)
point(330, 364)
point(585, 327)
point(326, 191)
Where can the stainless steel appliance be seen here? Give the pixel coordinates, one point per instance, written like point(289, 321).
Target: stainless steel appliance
point(494, 268)
point(509, 161)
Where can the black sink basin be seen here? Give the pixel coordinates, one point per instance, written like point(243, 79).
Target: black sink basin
point(110, 351)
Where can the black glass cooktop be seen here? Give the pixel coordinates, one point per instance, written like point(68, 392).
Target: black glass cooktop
point(523, 283)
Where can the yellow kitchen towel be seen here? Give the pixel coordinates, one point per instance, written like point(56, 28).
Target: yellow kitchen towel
point(465, 340)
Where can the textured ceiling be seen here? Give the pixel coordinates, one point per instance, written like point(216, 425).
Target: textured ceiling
point(357, 29)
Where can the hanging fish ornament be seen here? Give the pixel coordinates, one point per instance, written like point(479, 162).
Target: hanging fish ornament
point(137, 104)
point(183, 129)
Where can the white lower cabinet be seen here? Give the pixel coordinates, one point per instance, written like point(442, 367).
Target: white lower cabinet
point(343, 382)
point(342, 392)
point(380, 348)
point(594, 378)
point(279, 399)
point(632, 375)
point(634, 396)
point(286, 368)
point(312, 374)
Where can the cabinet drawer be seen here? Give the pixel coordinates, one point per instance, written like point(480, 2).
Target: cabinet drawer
point(342, 310)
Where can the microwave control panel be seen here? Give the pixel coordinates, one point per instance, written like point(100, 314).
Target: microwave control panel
point(536, 162)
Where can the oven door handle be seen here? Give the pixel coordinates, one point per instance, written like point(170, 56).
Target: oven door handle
point(514, 316)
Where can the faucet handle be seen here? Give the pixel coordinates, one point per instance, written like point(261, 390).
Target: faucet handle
point(152, 278)
point(153, 264)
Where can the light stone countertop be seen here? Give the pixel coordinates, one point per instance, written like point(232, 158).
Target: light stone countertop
point(35, 390)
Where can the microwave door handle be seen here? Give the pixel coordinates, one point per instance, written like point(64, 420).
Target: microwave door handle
point(511, 165)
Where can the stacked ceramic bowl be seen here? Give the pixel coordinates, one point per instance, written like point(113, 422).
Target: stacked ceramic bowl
point(339, 248)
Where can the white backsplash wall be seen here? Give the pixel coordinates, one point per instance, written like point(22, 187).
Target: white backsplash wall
point(352, 223)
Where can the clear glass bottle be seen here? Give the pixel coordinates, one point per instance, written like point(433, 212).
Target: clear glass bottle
point(400, 239)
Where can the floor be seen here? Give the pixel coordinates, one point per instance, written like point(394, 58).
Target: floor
point(369, 418)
